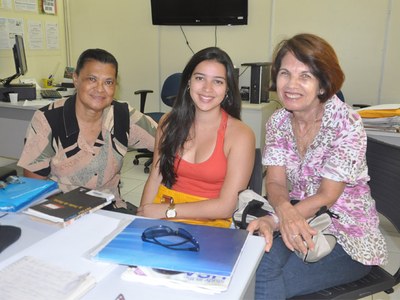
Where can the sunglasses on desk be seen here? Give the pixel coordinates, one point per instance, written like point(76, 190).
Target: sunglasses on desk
point(179, 239)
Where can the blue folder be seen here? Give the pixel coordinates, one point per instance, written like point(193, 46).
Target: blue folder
point(220, 249)
point(16, 196)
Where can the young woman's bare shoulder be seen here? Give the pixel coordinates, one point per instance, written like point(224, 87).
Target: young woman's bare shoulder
point(237, 129)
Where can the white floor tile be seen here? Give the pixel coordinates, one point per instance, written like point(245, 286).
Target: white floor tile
point(392, 241)
point(128, 161)
point(135, 173)
point(129, 184)
point(383, 296)
point(133, 179)
point(386, 225)
point(134, 195)
point(394, 262)
point(367, 298)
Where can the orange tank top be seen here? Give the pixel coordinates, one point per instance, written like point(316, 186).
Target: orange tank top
point(204, 179)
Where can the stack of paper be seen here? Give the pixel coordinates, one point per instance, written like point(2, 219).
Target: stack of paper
point(202, 283)
point(385, 117)
point(32, 278)
point(63, 255)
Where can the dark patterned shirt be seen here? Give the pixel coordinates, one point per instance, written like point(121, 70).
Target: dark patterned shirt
point(54, 147)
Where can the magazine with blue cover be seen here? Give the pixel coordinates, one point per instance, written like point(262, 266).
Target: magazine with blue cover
point(16, 196)
point(218, 253)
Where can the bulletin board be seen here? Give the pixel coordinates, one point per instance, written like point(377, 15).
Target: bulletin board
point(41, 24)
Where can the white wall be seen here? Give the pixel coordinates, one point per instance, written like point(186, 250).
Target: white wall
point(365, 35)
point(356, 29)
point(121, 27)
point(148, 54)
point(390, 87)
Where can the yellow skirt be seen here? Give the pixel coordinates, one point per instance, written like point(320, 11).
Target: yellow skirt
point(180, 197)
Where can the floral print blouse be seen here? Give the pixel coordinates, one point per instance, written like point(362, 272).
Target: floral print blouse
point(337, 153)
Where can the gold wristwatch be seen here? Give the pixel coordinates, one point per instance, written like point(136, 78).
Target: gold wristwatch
point(170, 212)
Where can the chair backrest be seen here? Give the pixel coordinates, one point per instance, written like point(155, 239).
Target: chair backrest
point(340, 95)
point(383, 161)
point(170, 88)
point(256, 179)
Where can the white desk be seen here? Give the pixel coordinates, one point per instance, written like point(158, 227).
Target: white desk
point(14, 120)
point(34, 233)
point(385, 136)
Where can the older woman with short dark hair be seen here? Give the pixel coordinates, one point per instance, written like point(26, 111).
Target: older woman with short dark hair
point(315, 153)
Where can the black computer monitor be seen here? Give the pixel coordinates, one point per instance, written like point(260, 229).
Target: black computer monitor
point(25, 90)
point(21, 66)
point(19, 55)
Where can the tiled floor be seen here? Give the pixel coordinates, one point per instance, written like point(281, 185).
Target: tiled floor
point(133, 179)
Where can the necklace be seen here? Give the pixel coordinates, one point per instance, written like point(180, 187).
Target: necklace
point(305, 139)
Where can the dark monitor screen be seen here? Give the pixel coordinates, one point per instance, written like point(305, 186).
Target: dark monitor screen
point(199, 12)
point(21, 66)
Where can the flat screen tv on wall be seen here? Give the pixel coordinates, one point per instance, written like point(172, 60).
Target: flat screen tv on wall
point(199, 12)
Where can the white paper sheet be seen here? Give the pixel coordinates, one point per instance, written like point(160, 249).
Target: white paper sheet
point(30, 278)
point(68, 246)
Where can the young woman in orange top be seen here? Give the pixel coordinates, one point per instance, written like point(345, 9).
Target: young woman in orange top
point(204, 153)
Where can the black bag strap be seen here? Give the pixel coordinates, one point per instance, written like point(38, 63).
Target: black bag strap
point(253, 208)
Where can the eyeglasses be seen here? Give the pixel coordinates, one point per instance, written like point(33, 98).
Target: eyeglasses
point(165, 236)
point(12, 179)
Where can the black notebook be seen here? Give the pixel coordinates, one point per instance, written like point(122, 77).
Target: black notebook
point(67, 207)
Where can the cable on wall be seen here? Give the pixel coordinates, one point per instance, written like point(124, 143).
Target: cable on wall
point(187, 42)
point(215, 36)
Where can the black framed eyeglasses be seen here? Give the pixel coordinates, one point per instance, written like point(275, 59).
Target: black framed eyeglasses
point(179, 239)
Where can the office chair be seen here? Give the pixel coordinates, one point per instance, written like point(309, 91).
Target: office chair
point(383, 161)
point(340, 95)
point(169, 91)
point(356, 105)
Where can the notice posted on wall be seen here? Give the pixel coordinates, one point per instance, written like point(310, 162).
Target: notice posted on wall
point(49, 7)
